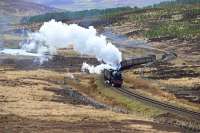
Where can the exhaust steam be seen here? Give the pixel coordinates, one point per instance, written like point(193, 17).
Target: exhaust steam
point(55, 35)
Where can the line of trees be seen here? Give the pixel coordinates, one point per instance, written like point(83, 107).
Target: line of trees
point(177, 2)
point(94, 13)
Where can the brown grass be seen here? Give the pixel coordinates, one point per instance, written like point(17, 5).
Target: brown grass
point(152, 89)
point(181, 82)
point(93, 86)
point(137, 83)
point(29, 98)
point(27, 105)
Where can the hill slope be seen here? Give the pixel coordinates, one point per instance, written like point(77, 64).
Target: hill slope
point(22, 8)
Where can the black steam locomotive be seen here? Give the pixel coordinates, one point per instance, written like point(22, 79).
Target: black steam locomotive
point(114, 77)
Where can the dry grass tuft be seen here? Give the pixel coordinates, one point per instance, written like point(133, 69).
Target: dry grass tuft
point(137, 83)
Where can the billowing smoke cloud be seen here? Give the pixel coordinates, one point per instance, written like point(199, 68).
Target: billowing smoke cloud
point(19, 52)
point(96, 69)
point(54, 35)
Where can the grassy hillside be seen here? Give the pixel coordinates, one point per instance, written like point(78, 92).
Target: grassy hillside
point(177, 2)
point(176, 19)
point(168, 20)
point(181, 22)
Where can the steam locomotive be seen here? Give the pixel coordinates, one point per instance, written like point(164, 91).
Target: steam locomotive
point(114, 77)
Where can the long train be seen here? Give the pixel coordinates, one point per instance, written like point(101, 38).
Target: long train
point(114, 77)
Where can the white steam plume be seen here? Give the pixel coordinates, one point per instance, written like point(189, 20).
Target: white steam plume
point(54, 35)
point(98, 69)
point(18, 52)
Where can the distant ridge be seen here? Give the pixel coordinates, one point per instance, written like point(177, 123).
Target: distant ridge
point(178, 2)
point(23, 8)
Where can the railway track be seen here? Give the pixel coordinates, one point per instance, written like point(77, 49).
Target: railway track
point(170, 108)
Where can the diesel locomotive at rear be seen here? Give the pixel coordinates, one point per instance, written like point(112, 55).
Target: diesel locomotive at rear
point(114, 77)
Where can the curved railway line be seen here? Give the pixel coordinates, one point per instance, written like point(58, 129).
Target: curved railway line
point(170, 108)
point(164, 106)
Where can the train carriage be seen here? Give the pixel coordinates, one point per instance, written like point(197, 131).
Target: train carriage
point(137, 61)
